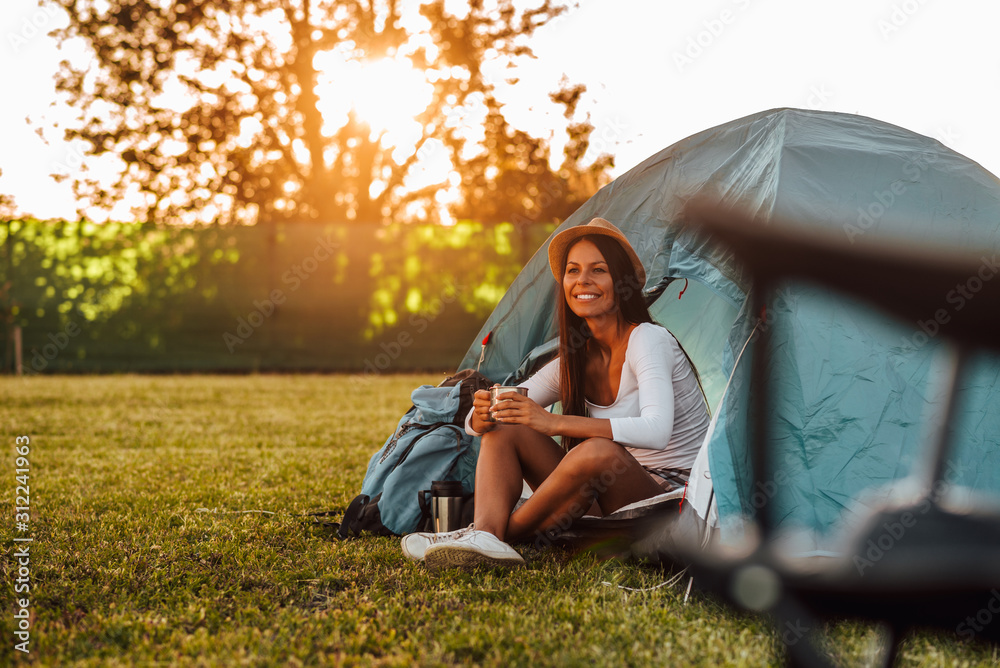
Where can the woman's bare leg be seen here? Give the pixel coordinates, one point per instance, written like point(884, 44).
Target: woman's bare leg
point(597, 470)
point(507, 455)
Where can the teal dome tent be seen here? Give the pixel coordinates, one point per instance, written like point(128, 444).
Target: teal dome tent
point(853, 386)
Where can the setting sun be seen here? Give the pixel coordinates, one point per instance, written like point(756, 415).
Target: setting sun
point(387, 94)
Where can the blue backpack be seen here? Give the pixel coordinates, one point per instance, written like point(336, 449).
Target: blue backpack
point(429, 444)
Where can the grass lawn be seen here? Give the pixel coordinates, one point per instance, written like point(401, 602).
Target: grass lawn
point(166, 517)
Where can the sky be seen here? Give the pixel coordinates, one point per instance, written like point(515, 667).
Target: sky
point(656, 71)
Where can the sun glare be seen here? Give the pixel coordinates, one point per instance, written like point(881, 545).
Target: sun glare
point(387, 94)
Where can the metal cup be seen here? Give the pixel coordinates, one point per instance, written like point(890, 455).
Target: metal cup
point(447, 501)
point(494, 391)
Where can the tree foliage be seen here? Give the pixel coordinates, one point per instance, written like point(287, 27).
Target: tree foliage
point(511, 180)
point(302, 295)
point(213, 109)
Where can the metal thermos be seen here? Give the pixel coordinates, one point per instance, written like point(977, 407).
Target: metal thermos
point(447, 500)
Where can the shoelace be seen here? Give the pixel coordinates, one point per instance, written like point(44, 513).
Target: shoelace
point(452, 535)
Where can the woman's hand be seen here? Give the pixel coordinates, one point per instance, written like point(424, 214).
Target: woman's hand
point(514, 408)
point(481, 412)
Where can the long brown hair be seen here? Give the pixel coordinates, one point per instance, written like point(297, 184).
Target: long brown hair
point(573, 331)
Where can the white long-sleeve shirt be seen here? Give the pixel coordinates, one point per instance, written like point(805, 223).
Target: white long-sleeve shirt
point(659, 414)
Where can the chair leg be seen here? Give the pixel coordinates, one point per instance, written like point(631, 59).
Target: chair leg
point(892, 636)
point(797, 628)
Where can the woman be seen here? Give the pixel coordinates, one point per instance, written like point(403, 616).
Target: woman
point(633, 413)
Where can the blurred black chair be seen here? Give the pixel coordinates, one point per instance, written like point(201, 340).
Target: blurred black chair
point(943, 571)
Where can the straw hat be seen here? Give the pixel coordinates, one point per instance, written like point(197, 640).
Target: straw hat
point(562, 241)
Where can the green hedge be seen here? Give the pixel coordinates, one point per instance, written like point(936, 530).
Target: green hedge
point(289, 297)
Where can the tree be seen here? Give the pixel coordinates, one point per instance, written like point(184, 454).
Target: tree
point(8, 207)
point(511, 180)
point(213, 107)
point(8, 213)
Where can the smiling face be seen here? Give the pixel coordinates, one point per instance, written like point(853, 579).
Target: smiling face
point(587, 283)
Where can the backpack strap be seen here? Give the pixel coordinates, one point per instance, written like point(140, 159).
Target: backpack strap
point(471, 381)
point(425, 523)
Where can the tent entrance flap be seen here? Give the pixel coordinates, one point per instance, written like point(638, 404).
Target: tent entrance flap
point(701, 322)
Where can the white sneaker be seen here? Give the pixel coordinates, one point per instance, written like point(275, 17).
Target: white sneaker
point(415, 544)
point(473, 548)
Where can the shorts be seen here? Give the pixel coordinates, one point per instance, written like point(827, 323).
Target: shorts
point(669, 479)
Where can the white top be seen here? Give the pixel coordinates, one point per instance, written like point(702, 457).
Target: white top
point(659, 414)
